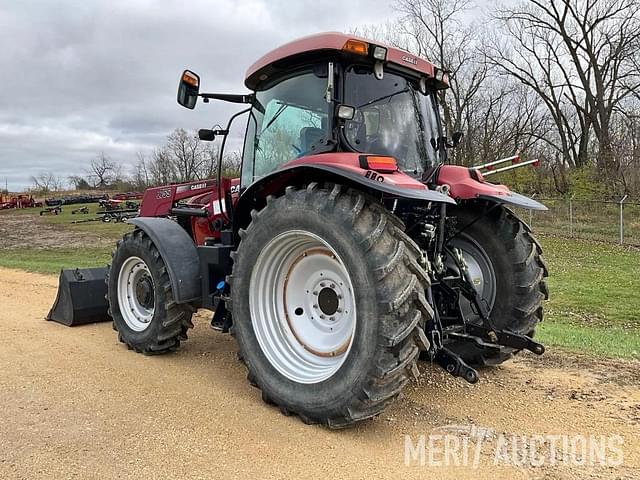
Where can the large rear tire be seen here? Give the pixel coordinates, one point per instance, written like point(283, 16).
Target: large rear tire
point(328, 304)
point(141, 298)
point(506, 265)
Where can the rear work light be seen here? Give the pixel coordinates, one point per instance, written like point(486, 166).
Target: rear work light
point(379, 53)
point(378, 163)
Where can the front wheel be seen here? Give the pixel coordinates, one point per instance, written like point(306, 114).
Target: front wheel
point(507, 269)
point(328, 304)
point(141, 298)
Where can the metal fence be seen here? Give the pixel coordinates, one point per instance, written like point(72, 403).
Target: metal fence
point(604, 220)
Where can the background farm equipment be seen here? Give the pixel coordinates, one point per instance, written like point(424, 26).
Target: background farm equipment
point(347, 249)
point(18, 201)
point(128, 196)
point(76, 199)
point(111, 204)
point(118, 215)
point(51, 210)
point(82, 210)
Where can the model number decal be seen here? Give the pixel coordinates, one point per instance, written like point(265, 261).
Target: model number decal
point(374, 176)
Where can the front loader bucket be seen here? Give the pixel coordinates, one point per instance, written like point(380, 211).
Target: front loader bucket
point(81, 297)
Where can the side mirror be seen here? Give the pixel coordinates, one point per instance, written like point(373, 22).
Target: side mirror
point(456, 138)
point(206, 135)
point(188, 89)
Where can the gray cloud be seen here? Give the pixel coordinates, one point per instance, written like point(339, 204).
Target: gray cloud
point(80, 77)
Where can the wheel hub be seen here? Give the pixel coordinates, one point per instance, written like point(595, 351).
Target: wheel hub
point(328, 300)
point(144, 292)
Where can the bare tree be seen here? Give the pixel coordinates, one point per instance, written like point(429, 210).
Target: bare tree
point(209, 165)
point(231, 164)
point(78, 182)
point(580, 56)
point(186, 153)
point(46, 182)
point(103, 171)
point(161, 167)
point(436, 29)
point(141, 177)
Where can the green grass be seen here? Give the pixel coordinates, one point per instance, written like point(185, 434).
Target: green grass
point(52, 260)
point(597, 341)
point(595, 303)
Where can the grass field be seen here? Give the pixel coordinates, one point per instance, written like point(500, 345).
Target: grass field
point(595, 302)
point(594, 286)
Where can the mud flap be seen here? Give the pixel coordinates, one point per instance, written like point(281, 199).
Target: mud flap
point(81, 297)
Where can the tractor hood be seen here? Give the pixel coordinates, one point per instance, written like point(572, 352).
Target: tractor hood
point(468, 184)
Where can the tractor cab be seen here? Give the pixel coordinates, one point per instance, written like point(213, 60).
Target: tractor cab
point(338, 93)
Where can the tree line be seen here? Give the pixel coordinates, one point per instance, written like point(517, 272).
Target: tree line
point(183, 158)
point(557, 80)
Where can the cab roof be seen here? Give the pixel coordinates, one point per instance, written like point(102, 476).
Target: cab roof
point(329, 42)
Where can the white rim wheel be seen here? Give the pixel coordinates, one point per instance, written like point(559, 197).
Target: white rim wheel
point(302, 306)
point(136, 294)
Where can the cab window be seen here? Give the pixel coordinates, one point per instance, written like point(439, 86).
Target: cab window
point(290, 119)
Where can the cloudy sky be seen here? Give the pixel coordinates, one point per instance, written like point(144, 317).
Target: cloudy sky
point(80, 77)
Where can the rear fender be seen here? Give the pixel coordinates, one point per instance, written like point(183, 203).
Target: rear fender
point(342, 168)
point(467, 184)
point(179, 254)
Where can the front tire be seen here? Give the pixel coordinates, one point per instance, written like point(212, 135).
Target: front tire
point(373, 298)
point(141, 298)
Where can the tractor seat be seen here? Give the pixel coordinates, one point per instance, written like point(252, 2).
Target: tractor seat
point(309, 136)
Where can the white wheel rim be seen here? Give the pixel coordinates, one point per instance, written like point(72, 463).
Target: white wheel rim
point(302, 306)
point(134, 281)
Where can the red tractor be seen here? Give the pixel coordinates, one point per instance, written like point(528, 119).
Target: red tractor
point(346, 250)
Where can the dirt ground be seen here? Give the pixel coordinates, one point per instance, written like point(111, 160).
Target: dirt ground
point(76, 404)
point(28, 230)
